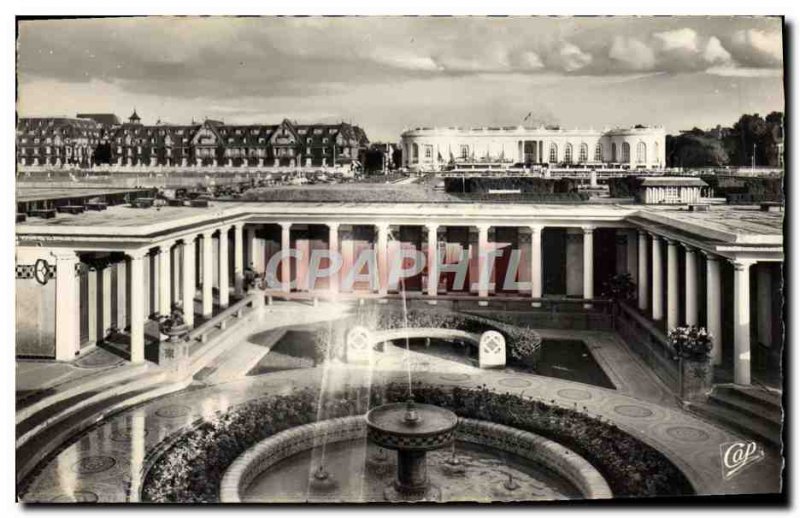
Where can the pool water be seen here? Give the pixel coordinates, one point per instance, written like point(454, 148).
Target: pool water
point(486, 470)
point(564, 359)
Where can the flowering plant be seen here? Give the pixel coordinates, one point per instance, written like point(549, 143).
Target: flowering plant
point(690, 342)
point(619, 287)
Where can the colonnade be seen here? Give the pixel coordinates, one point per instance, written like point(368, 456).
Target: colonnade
point(665, 276)
point(183, 265)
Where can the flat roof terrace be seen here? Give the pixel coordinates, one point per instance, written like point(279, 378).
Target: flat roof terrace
point(30, 194)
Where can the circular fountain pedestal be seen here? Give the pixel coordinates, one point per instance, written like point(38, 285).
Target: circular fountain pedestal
point(412, 430)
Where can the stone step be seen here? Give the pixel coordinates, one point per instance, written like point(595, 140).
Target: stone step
point(748, 407)
point(762, 397)
point(751, 428)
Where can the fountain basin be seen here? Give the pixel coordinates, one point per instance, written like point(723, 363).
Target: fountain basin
point(433, 429)
point(251, 477)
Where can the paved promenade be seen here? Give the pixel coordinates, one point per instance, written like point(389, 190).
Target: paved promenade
point(106, 463)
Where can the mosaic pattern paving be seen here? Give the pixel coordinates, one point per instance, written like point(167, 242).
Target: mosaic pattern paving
point(514, 382)
point(576, 394)
point(94, 464)
point(687, 433)
point(633, 411)
point(173, 411)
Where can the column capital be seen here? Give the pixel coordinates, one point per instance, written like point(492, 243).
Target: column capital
point(483, 227)
point(137, 254)
point(670, 242)
point(689, 249)
point(642, 232)
point(165, 246)
point(432, 227)
point(742, 264)
point(587, 229)
point(285, 225)
point(208, 234)
point(536, 229)
point(239, 225)
point(189, 240)
point(710, 256)
point(382, 226)
point(333, 225)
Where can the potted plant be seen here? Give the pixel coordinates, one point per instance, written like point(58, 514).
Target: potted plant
point(692, 346)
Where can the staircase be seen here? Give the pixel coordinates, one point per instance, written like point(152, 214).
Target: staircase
point(752, 411)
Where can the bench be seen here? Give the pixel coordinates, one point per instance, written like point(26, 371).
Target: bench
point(172, 202)
point(200, 203)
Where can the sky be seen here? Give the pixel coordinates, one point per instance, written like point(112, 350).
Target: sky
point(387, 74)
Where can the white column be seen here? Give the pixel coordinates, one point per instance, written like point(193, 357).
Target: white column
point(536, 264)
point(333, 249)
point(286, 265)
point(741, 322)
point(122, 295)
point(657, 308)
point(713, 312)
point(433, 260)
point(189, 288)
point(691, 286)
point(92, 302)
point(137, 295)
point(672, 284)
point(208, 273)
point(483, 261)
point(67, 306)
point(224, 282)
point(105, 286)
point(764, 309)
point(238, 260)
point(588, 264)
point(177, 264)
point(383, 261)
point(164, 302)
point(643, 291)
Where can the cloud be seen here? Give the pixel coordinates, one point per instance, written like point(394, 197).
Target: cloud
point(632, 53)
point(715, 52)
point(681, 40)
point(758, 48)
point(570, 58)
point(531, 61)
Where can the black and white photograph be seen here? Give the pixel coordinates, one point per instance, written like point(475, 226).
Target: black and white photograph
point(378, 259)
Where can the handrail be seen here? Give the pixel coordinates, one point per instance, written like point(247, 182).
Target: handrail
point(223, 315)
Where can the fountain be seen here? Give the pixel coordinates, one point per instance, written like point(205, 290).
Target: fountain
point(412, 430)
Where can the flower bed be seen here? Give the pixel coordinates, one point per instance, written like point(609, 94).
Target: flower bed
point(192, 469)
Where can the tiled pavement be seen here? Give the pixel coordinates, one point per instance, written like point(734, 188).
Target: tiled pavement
point(106, 463)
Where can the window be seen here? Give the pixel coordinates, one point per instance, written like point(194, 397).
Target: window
point(614, 152)
point(584, 156)
point(598, 152)
point(428, 152)
point(568, 154)
point(464, 152)
point(641, 153)
point(553, 153)
point(626, 152)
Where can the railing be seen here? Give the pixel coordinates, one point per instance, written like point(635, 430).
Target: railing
point(220, 320)
point(650, 343)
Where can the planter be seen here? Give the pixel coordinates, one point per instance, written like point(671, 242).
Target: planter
point(696, 379)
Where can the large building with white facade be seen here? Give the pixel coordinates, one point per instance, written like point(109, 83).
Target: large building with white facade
point(433, 149)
